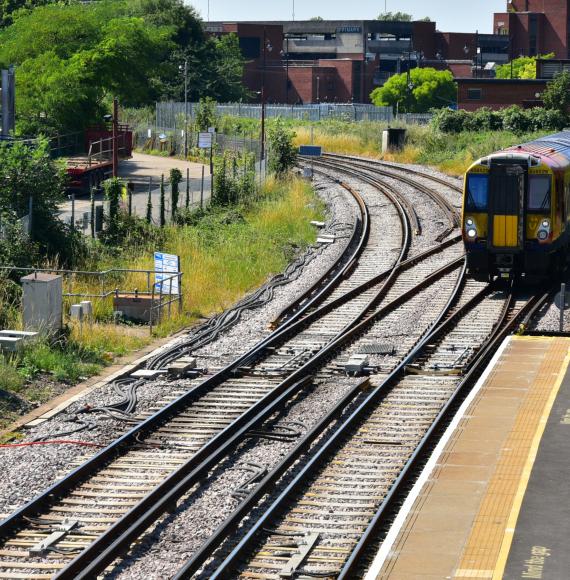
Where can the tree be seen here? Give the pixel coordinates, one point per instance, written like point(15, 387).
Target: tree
point(521, 68)
point(395, 17)
point(29, 172)
point(428, 89)
point(206, 114)
point(72, 58)
point(557, 93)
point(282, 153)
point(316, 19)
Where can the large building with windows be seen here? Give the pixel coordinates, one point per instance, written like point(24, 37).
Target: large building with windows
point(344, 61)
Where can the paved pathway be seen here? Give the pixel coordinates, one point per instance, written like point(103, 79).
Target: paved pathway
point(141, 170)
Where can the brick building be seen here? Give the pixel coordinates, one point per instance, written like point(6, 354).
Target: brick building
point(535, 27)
point(474, 93)
point(343, 61)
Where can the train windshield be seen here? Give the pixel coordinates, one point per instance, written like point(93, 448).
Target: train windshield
point(539, 193)
point(477, 192)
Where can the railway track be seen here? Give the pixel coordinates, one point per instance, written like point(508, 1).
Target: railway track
point(91, 515)
point(323, 522)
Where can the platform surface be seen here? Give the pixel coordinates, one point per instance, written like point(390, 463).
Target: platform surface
point(497, 503)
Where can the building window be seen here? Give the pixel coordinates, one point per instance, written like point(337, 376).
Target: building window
point(250, 46)
point(474, 94)
point(532, 35)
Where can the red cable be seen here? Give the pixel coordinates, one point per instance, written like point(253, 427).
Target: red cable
point(64, 441)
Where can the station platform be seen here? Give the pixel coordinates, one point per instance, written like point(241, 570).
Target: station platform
point(494, 500)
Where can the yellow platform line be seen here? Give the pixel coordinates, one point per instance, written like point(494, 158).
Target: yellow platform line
point(525, 476)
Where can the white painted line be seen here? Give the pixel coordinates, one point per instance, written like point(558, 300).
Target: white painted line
point(395, 529)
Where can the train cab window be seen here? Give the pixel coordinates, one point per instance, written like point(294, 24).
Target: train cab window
point(539, 193)
point(477, 192)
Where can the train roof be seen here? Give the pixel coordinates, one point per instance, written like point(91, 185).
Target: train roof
point(557, 143)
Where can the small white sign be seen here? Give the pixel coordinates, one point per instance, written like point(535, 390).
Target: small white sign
point(205, 140)
point(149, 133)
point(211, 130)
point(165, 265)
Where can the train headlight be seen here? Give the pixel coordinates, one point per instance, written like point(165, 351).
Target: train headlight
point(542, 235)
point(545, 224)
point(472, 233)
point(469, 222)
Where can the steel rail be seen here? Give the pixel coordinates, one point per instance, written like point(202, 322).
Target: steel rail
point(453, 186)
point(131, 438)
point(443, 203)
point(234, 520)
point(99, 554)
point(230, 563)
point(502, 329)
point(305, 298)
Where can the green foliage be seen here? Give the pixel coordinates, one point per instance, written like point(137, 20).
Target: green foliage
point(206, 114)
point(513, 119)
point(316, 19)
point(73, 58)
point(27, 171)
point(430, 89)
point(282, 152)
point(113, 189)
point(234, 179)
point(557, 94)
point(521, 68)
point(395, 17)
point(175, 179)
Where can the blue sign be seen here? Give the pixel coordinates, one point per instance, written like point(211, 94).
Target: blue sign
point(311, 150)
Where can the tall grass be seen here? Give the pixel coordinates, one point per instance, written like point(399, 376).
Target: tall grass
point(230, 252)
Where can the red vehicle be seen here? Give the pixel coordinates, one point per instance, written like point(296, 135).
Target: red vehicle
point(89, 171)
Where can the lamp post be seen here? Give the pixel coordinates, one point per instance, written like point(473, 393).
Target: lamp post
point(318, 89)
point(184, 69)
point(266, 47)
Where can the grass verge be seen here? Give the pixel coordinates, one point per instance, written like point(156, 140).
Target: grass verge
point(225, 253)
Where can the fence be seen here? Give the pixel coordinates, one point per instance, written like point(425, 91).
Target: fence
point(160, 292)
point(171, 114)
point(170, 139)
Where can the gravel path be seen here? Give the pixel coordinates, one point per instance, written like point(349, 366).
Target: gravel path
point(26, 471)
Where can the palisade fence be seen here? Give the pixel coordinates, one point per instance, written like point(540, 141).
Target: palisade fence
point(169, 113)
point(171, 139)
point(166, 131)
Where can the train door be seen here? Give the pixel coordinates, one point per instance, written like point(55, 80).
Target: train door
point(507, 186)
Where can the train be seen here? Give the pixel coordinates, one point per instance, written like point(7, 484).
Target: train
point(516, 211)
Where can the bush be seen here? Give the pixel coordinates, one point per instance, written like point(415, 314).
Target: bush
point(485, 119)
point(516, 120)
point(282, 153)
point(546, 119)
point(450, 121)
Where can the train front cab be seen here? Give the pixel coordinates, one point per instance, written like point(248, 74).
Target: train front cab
point(509, 216)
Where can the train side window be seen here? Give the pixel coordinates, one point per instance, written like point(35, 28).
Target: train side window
point(477, 192)
point(539, 187)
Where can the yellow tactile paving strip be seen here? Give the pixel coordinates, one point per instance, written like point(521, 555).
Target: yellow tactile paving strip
point(457, 526)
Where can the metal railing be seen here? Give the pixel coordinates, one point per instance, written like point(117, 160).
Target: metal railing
point(171, 114)
point(160, 297)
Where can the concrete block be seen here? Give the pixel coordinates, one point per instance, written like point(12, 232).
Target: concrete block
point(135, 307)
point(182, 366)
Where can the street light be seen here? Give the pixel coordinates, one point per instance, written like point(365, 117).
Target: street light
point(318, 89)
point(184, 69)
point(266, 48)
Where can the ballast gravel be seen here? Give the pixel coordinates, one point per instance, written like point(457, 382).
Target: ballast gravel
point(27, 471)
